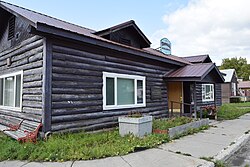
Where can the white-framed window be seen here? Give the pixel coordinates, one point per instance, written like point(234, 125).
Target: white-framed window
point(11, 90)
point(207, 92)
point(123, 91)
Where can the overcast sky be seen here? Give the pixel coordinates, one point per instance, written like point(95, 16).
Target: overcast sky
point(220, 28)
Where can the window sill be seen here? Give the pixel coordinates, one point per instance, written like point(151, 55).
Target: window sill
point(11, 108)
point(209, 100)
point(123, 107)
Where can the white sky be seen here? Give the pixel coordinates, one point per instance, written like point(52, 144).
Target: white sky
point(220, 28)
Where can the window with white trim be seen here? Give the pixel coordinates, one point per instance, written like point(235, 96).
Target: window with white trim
point(207, 92)
point(11, 90)
point(123, 91)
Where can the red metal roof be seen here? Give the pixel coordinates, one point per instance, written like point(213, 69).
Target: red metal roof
point(34, 18)
point(172, 57)
point(123, 25)
point(244, 84)
point(194, 72)
point(196, 59)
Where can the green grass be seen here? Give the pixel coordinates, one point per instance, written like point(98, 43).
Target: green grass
point(164, 124)
point(217, 163)
point(233, 110)
point(77, 146)
point(84, 146)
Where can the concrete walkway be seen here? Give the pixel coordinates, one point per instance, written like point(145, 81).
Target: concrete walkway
point(207, 144)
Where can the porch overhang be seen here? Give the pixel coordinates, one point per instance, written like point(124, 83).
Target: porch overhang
point(207, 72)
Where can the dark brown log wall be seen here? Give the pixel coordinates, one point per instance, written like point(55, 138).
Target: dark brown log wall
point(217, 100)
point(20, 31)
point(77, 101)
point(27, 56)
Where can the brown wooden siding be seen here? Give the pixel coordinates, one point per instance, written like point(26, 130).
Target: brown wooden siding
point(77, 88)
point(226, 92)
point(27, 57)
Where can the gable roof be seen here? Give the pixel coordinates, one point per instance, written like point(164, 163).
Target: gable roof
point(229, 73)
point(124, 25)
point(35, 17)
point(159, 53)
point(193, 72)
point(244, 84)
point(46, 23)
point(198, 59)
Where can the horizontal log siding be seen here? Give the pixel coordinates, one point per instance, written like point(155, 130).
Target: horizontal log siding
point(27, 57)
point(200, 103)
point(77, 82)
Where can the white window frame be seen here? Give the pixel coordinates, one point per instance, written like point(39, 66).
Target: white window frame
point(123, 76)
point(211, 86)
point(21, 87)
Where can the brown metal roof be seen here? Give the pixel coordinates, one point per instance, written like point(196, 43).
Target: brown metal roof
point(197, 59)
point(35, 18)
point(244, 84)
point(123, 25)
point(172, 57)
point(193, 72)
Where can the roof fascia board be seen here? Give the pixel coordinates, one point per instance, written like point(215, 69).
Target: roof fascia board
point(197, 79)
point(120, 27)
point(210, 69)
point(17, 15)
point(47, 29)
point(207, 72)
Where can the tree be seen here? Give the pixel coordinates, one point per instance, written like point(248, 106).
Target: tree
point(240, 65)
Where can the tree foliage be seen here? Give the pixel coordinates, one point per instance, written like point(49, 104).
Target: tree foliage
point(240, 65)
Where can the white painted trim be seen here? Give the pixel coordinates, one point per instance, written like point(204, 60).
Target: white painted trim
point(207, 100)
point(125, 76)
point(21, 87)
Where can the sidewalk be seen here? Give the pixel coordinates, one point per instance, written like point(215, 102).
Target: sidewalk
point(207, 144)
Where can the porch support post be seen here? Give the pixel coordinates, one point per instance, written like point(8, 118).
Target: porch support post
point(195, 101)
point(215, 94)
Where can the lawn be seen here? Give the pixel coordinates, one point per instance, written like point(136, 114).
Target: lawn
point(233, 110)
point(83, 146)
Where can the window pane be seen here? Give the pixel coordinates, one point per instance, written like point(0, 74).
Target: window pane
point(9, 92)
point(212, 91)
point(125, 91)
point(1, 91)
point(203, 92)
point(110, 93)
point(139, 92)
point(18, 90)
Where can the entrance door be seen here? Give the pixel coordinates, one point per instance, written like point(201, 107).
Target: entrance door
point(174, 94)
point(188, 89)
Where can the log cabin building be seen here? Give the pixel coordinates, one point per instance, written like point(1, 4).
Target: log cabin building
point(73, 78)
point(230, 86)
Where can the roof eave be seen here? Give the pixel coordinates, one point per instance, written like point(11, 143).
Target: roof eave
point(17, 14)
point(45, 29)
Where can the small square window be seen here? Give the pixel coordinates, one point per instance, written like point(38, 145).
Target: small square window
point(207, 92)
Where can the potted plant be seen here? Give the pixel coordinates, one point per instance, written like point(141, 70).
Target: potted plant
point(211, 112)
point(136, 124)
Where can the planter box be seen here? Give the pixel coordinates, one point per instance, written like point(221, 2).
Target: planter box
point(178, 130)
point(137, 126)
